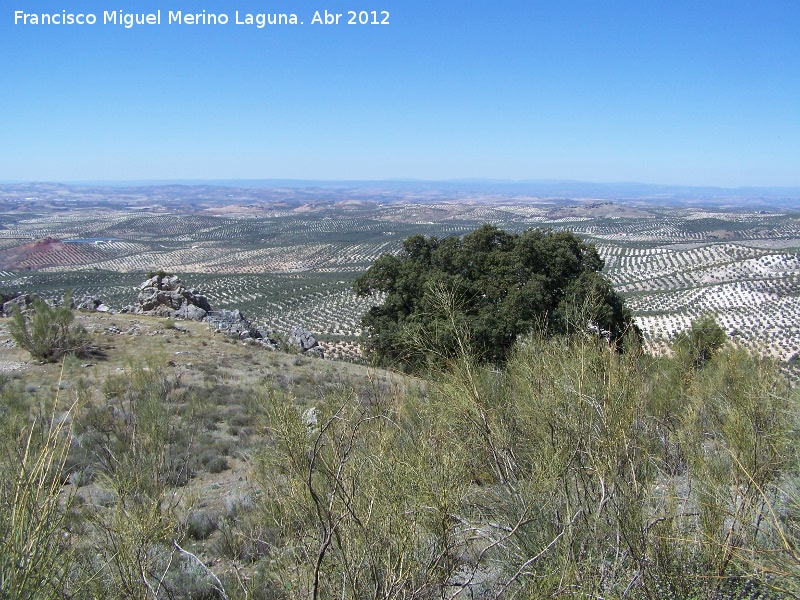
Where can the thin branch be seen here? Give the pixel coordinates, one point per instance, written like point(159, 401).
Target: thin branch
point(208, 571)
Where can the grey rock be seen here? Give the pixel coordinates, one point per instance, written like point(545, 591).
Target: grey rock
point(235, 324)
point(163, 311)
point(309, 417)
point(302, 338)
point(231, 322)
point(148, 299)
point(316, 351)
point(191, 312)
point(89, 303)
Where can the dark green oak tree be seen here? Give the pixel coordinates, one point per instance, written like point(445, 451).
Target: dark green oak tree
point(478, 293)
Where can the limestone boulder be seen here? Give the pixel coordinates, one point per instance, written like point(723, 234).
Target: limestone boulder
point(165, 295)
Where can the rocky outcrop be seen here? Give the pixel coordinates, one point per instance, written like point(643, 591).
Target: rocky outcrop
point(235, 324)
point(303, 340)
point(191, 312)
point(316, 351)
point(165, 295)
point(23, 302)
point(20, 302)
point(231, 322)
point(90, 303)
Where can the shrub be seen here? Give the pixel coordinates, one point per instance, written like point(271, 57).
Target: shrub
point(46, 331)
point(701, 342)
point(218, 464)
point(33, 553)
point(142, 455)
point(160, 273)
point(200, 525)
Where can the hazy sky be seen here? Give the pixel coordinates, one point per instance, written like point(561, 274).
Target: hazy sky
point(677, 92)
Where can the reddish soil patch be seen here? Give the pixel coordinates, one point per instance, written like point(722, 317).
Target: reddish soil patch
point(47, 252)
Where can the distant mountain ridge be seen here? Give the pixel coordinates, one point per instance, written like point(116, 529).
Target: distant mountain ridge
point(220, 192)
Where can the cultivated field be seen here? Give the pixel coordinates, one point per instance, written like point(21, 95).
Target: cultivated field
point(286, 264)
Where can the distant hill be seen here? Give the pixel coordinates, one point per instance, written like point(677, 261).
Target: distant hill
point(48, 252)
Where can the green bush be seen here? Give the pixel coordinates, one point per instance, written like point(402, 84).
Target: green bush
point(141, 456)
point(47, 331)
point(701, 342)
point(217, 464)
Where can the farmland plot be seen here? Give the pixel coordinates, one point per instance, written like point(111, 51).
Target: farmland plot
point(753, 292)
point(285, 267)
point(322, 302)
point(115, 289)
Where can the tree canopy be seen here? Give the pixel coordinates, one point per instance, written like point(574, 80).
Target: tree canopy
point(481, 291)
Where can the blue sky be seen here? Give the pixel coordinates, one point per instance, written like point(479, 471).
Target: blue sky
point(674, 92)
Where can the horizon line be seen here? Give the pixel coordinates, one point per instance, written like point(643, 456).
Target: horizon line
point(260, 182)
